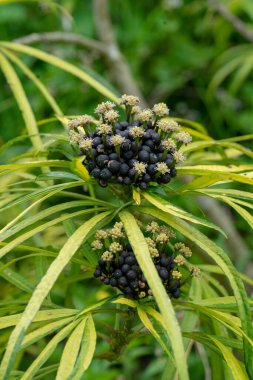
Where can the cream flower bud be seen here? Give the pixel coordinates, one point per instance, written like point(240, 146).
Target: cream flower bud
point(104, 129)
point(179, 260)
point(195, 271)
point(96, 244)
point(152, 227)
point(107, 256)
point(115, 247)
point(129, 100)
point(183, 137)
point(168, 144)
point(145, 115)
point(104, 107)
point(111, 116)
point(79, 121)
point(74, 137)
point(176, 274)
point(162, 238)
point(117, 140)
point(101, 234)
point(150, 242)
point(137, 131)
point(161, 109)
point(162, 168)
point(178, 156)
point(86, 144)
point(153, 252)
point(168, 125)
point(140, 167)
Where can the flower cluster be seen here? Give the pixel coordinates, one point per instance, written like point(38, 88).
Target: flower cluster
point(143, 148)
point(118, 266)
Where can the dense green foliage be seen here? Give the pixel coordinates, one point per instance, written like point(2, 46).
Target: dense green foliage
point(184, 53)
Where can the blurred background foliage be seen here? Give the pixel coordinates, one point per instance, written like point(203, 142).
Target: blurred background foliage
point(175, 49)
point(190, 54)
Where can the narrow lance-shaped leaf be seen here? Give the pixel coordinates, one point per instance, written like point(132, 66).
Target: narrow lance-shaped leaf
point(143, 257)
point(87, 350)
point(47, 351)
point(66, 66)
point(164, 205)
point(44, 287)
point(222, 259)
point(22, 101)
point(70, 352)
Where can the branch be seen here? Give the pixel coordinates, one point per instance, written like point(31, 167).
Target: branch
point(233, 20)
point(116, 61)
point(65, 38)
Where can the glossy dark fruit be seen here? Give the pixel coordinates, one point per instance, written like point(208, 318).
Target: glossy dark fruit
point(165, 178)
point(146, 148)
point(125, 268)
point(105, 174)
point(106, 281)
point(131, 275)
point(128, 155)
point(101, 148)
point(153, 159)
point(114, 166)
point(134, 284)
point(126, 145)
point(146, 178)
point(151, 169)
point(97, 273)
point(113, 156)
point(164, 261)
point(113, 282)
point(128, 291)
point(143, 156)
point(102, 160)
point(132, 162)
point(163, 273)
point(143, 185)
point(96, 141)
point(176, 293)
point(124, 169)
point(169, 160)
point(127, 181)
point(95, 172)
point(173, 172)
point(130, 260)
point(132, 173)
point(117, 273)
point(122, 281)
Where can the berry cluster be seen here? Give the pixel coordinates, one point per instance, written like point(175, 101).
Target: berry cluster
point(142, 149)
point(119, 268)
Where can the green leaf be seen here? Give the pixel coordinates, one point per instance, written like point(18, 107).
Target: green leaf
point(70, 352)
point(60, 63)
point(87, 350)
point(147, 323)
point(16, 279)
point(44, 287)
point(144, 259)
point(47, 351)
point(26, 235)
point(50, 99)
point(223, 261)
point(22, 101)
point(233, 363)
point(167, 207)
point(41, 316)
point(43, 331)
